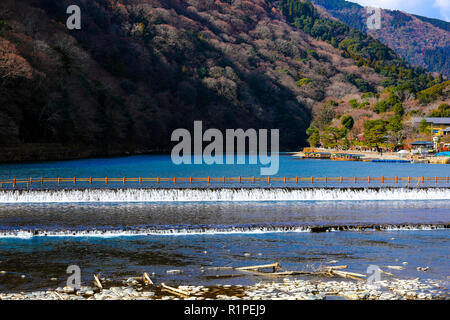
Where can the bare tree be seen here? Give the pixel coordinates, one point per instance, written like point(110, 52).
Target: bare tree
point(12, 65)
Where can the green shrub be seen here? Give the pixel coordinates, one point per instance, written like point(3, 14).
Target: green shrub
point(424, 127)
point(398, 109)
point(312, 53)
point(394, 124)
point(354, 103)
point(4, 26)
point(303, 81)
point(381, 106)
point(361, 84)
point(348, 122)
point(368, 95)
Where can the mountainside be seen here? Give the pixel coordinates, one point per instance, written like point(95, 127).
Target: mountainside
point(138, 69)
point(421, 41)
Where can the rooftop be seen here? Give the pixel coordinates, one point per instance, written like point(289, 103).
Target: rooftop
point(421, 143)
point(442, 120)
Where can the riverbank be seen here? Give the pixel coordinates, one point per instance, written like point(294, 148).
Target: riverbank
point(377, 156)
point(286, 289)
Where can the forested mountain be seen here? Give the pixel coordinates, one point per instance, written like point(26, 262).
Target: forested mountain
point(138, 69)
point(420, 40)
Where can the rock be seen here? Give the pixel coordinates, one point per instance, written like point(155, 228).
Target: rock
point(100, 296)
point(132, 281)
point(351, 295)
point(424, 269)
point(67, 289)
point(85, 291)
point(363, 295)
point(89, 293)
point(148, 294)
point(174, 271)
point(130, 292)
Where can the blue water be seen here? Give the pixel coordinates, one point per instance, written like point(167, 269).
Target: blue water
point(118, 239)
point(162, 166)
point(41, 259)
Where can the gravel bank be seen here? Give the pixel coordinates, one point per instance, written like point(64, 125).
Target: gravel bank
point(286, 289)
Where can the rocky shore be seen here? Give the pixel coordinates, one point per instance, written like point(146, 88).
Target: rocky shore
point(285, 289)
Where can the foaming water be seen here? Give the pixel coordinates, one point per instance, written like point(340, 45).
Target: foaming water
point(211, 230)
point(223, 194)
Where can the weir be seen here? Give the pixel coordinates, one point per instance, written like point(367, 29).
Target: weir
point(239, 181)
point(90, 195)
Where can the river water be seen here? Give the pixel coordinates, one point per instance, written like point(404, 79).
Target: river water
point(124, 230)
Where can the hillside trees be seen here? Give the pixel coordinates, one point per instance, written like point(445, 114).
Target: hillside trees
point(325, 114)
point(442, 111)
point(375, 133)
point(354, 44)
point(313, 136)
point(333, 137)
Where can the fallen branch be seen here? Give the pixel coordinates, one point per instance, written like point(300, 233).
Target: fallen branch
point(395, 267)
point(286, 273)
point(147, 279)
point(219, 268)
point(97, 282)
point(275, 267)
point(59, 295)
point(293, 273)
point(385, 272)
point(224, 276)
point(336, 267)
point(350, 275)
point(175, 290)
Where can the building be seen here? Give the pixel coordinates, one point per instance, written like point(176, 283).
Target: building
point(439, 126)
point(422, 147)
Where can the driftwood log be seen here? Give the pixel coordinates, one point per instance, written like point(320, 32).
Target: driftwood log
point(97, 282)
point(328, 271)
point(275, 266)
point(175, 291)
point(146, 279)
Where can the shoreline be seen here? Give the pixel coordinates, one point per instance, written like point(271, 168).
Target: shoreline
point(368, 156)
point(286, 289)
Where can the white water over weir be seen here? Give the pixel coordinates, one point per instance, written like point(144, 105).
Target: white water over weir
point(27, 234)
point(222, 195)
